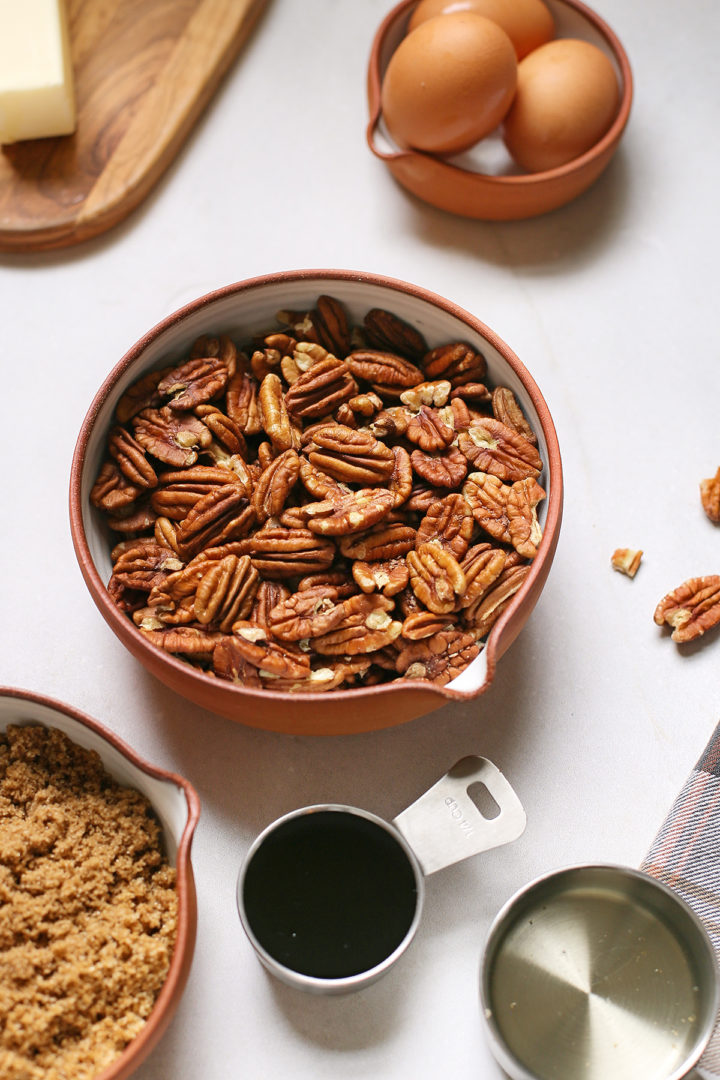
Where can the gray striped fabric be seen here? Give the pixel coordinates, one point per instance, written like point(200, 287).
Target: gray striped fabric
point(685, 855)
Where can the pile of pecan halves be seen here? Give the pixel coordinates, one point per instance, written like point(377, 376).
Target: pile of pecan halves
point(337, 505)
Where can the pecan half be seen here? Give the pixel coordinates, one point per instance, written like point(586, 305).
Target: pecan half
point(269, 594)
point(425, 624)
point(143, 394)
point(227, 433)
point(275, 484)
point(112, 491)
point(449, 522)
point(254, 645)
point(351, 512)
point(692, 609)
point(226, 592)
point(523, 525)
point(241, 402)
point(185, 641)
point(352, 457)
point(428, 431)
point(385, 371)
point(171, 437)
point(388, 577)
point(400, 484)
point(278, 552)
point(180, 489)
point(306, 614)
point(506, 409)
point(223, 514)
point(438, 659)
point(327, 384)
point(130, 457)
point(445, 470)
point(494, 448)
point(331, 325)
point(144, 564)
point(458, 363)
point(194, 382)
point(436, 577)
point(229, 663)
point(482, 566)
point(482, 614)
point(274, 416)
point(487, 497)
point(367, 626)
point(382, 542)
point(388, 332)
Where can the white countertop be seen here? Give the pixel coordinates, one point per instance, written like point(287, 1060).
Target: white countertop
point(595, 716)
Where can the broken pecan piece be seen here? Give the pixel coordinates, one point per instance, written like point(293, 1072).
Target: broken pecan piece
point(626, 561)
point(710, 497)
point(692, 609)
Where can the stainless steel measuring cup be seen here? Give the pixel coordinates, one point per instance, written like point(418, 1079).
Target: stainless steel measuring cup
point(330, 896)
point(598, 972)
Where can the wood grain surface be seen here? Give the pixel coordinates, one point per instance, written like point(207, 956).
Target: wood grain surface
point(144, 71)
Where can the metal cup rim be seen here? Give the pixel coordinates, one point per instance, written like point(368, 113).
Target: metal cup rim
point(313, 983)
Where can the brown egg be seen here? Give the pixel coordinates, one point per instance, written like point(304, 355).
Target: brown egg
point(449, 83)
point(566, 99)
point(528, 23)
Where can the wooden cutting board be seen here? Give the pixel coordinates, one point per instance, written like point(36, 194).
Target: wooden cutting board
point(144, 71)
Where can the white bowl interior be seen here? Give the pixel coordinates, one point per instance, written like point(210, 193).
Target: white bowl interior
point(168, 799)
point(489, 156)
point(248, 311)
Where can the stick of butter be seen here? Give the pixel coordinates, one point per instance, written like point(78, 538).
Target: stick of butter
point(37, 92)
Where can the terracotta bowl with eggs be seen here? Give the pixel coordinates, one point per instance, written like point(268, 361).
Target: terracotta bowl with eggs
point(497, 110)
point(241, 312)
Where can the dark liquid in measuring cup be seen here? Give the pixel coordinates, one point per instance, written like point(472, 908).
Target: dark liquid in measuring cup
point(329, 894)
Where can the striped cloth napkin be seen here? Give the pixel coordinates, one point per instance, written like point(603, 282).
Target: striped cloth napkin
point(685, 855)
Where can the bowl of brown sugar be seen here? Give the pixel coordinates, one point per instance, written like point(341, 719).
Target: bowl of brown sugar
point(98, 912)
point(318, 502)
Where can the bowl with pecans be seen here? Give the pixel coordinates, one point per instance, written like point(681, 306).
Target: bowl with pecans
point(318, 502)
point(99, 908)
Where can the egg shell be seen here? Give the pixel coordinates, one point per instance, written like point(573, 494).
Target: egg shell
point(449, 83)
point(566, 99)
point(528, 23)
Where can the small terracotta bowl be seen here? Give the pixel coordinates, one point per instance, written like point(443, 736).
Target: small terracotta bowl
point(177, 807)
point(484, 182)
point(242, 310)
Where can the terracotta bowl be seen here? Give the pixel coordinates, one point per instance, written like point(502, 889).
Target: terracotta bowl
point(483, 182)
point(177, 807)
point(241, 310)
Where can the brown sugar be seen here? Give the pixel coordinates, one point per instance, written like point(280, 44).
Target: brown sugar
point(88, 909)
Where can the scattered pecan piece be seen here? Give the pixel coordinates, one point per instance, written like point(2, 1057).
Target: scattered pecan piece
point(692, 609)
point(710, 497)
point(626, 561)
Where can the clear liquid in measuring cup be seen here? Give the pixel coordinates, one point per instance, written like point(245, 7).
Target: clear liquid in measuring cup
point(330, 894)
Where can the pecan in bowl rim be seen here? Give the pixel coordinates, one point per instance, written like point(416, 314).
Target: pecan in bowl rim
point(177, 806)
point(245, 308)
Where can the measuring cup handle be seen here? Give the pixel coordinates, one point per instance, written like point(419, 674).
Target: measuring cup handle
point(446, 824)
